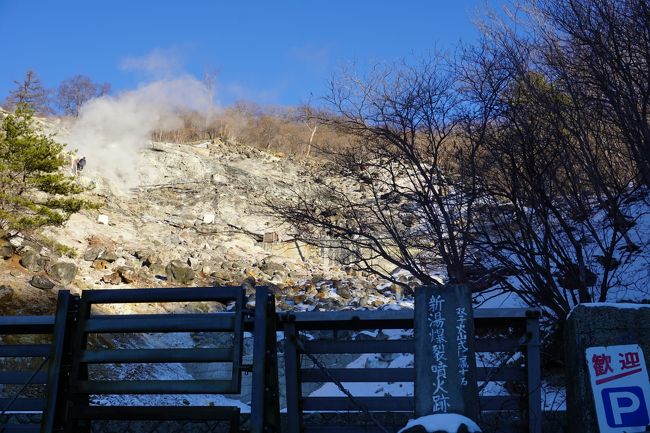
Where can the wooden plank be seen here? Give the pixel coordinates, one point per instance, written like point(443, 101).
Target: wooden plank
point(534, 367)
point(23, 404)
point(373, 404)
point(23, 377)
point(402, 346)
point(359, 374)
point(501, 403)
point(346, 429)
point(57, 381)
point(154, 387)
point(171, 413)
point(265, 389)
point(505, 314)
point(21, 428)
point(360, 346)
point(504, 374)
point(24, 350)
point(292, 378)
point(238, 339)
point(182, 294)
point(216, 322)
point(397, 319)
point(402, 374)
point(157, 355)
point(366, 319)
point(26, 324)
point(498, 344)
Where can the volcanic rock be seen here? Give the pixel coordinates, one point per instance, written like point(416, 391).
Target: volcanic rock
point(41, 282)
point(63, 272)
point(179, 272)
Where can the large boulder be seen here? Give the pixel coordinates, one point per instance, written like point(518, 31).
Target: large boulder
point(93, 252)
point(6, 250)
point(63, 272)
point(127, 274)
point(179, 272)
point(41, 282)
point(33, 261)
point(100, 252)
point(112, 278)
point(108, 255)
point(146, 257)
point(100, 265)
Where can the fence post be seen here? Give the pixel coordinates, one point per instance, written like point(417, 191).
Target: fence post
point(265, 405)
point(80, 370)
point(533, 365)
point(59, 361)
point(292, 368)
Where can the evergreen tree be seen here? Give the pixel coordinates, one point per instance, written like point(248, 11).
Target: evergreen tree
point(34, 191)
point(29, 92)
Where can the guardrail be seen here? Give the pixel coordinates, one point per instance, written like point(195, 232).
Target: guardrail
point(511, 331)
point(67, 356)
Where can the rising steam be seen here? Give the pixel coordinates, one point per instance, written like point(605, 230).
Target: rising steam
point(112, 130)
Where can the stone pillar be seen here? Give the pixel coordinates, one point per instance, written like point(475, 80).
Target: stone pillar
point(593, 325)
point(445, 364)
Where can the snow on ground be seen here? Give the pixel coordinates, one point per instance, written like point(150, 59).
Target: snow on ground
point(370, 389)
point(167, 371)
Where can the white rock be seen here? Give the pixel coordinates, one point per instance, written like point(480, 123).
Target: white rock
point(102, 219)
point(218, 179)
point(194, 263)
point(16, 241)
point(208, 218)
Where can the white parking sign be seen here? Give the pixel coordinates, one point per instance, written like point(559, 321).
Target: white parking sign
point(619, 382)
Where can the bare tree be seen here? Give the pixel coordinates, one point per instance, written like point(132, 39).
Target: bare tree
point(559, 179)
point(306, 115)
point(76, 91)
point(607, 44)
point(31, 93)
point(406, 189)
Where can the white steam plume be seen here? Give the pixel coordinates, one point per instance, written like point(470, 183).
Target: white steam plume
point(112, 130)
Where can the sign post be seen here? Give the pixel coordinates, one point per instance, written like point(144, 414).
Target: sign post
point(445, 364)
point(619, 382)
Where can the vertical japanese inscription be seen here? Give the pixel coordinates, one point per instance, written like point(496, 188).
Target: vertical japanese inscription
point(461, 340)
point(439, 366)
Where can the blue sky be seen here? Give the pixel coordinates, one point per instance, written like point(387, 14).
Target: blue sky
point(270, 52)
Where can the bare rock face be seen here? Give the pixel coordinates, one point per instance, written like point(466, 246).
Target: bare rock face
point(179, 272)
point(63, 272)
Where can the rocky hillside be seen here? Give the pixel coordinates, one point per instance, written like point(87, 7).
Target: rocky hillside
point(194, 220)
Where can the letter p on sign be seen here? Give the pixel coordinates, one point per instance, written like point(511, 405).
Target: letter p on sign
point(625, 407)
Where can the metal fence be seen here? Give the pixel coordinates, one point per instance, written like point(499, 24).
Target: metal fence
point(62, 353)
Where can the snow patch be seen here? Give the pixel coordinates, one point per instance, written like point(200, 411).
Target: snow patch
point(449, 422)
